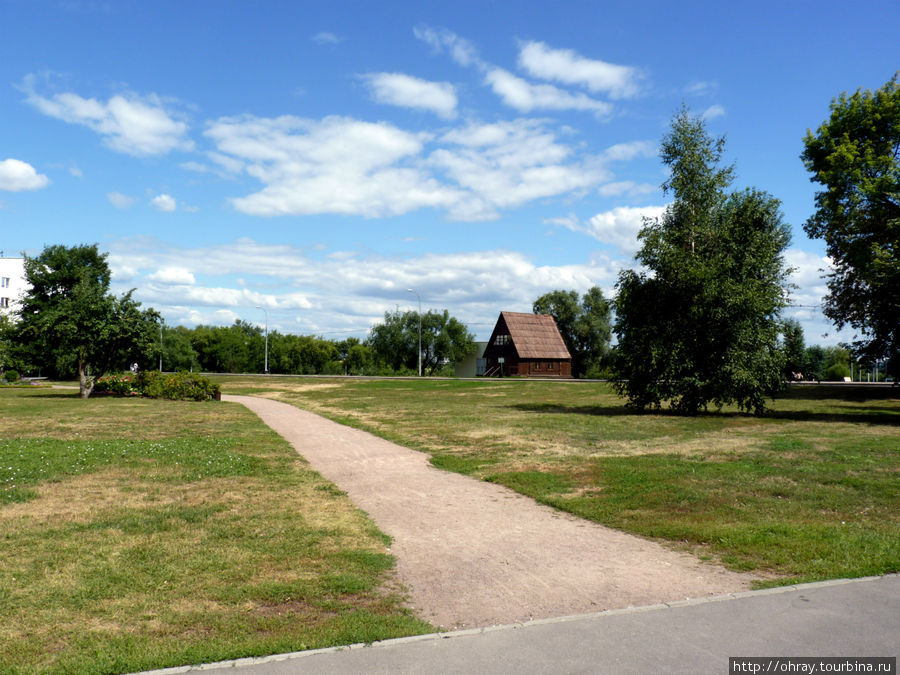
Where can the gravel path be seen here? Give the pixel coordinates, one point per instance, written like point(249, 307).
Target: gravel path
point(476, 554)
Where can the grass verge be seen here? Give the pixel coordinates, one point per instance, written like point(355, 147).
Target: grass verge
point(810, 492)
point(139, 534)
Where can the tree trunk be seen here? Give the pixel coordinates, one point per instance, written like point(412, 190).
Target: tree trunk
point(85, 383)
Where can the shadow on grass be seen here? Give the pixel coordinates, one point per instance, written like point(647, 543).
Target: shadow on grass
point(871, 415)
point(841, 392)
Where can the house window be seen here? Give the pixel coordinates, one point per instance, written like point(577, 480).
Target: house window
point(537, 365)
point(501, 340)
point(4, 282)
point(4, 302)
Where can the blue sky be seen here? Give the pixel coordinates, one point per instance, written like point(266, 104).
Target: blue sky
point(319, 159)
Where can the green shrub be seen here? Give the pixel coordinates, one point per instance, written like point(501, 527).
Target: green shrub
point(11, 376)
point(122, 384)
point(182, 386)
point(836, 372)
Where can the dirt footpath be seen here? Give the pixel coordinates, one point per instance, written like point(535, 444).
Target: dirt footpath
point(476, 554)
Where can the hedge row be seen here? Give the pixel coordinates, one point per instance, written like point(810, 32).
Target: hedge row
point(183, 386)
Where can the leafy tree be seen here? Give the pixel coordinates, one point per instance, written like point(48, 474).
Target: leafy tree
point(701, 324)
point(7, 360)
point(178, 352)
point(358, 359)
point(837, 364)
point(855, 156)
point(794, 347)
point(69, 313)
point(395, 342)
point(814, 358)
point(584, 326)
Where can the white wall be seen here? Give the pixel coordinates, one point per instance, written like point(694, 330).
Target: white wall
point(12, 283)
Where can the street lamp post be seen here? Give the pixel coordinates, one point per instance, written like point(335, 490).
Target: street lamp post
point(420, 329)
point(266, 370)
point(160, 344)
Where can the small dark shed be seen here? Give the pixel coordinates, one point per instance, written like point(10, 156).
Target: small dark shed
point(527, 345)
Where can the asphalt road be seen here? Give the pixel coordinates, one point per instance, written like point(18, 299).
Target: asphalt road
point(844, 618)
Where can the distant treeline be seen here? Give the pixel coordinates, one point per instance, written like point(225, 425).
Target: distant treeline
point(390, 349)
point(241, 348)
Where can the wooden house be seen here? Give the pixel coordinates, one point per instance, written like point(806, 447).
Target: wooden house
point(526, 345)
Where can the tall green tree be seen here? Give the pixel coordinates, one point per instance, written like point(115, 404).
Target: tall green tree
point(700, 324)
point(814, 357)
point(69, 313)
point(395, 342)
point(584, 326)
point(794, 345)
point(855, 156)
point(178, 353)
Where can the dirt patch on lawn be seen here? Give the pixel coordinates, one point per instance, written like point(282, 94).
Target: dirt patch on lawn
point(473, 553)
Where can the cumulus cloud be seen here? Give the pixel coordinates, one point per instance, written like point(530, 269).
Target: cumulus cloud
point(411, 92)
point(507, 164)
point(119, 200)
point(128, 123)
point(18, 176)
point(342, 165)
point(164, 202)
point(337, 165)
point(618, 227)
point(564, 65)
point(525, 97)
point(348, 294)
point(173, 275)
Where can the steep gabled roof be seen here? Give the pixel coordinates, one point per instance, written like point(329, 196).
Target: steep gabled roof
point(535, 336)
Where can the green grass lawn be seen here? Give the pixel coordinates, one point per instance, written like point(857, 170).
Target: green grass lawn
point(810, 492)
point(138, 534)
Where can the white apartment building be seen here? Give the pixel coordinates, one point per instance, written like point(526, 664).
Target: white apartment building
point(12, 283)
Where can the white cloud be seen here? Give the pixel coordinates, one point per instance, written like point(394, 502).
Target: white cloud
point(196, 167)
point(345, 295)
point(712, 112)
point(411, 92)
point(173, 275)
point(342, 165)
point(626, 187)
point(525, 97)
point(461, 50)
point(326, 38)
point(129, 123)
point(623, 152)
point(619, 226)
point(337, 165)
point(164, 202)
point(119, 200)
point(18, 176)
point(564, 65)
point(507, 164)
point(75, 170)
point(701, 88)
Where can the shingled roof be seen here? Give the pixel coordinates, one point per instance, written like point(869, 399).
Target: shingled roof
point(535, 336)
